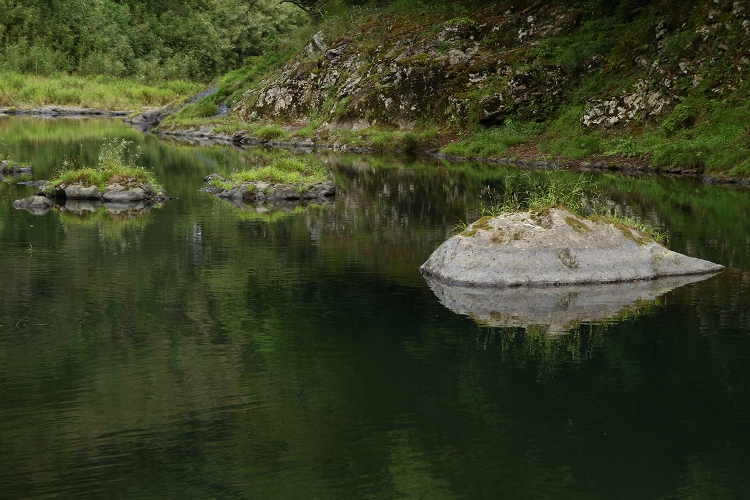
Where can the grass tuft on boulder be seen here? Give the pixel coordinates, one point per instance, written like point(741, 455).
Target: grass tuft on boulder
point(539, 192)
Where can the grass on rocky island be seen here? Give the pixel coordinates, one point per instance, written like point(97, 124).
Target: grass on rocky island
point(19, 90)
point(300, 171)
point(112, 166)
point(539, 192)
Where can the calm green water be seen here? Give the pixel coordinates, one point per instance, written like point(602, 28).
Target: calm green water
point(201, 352)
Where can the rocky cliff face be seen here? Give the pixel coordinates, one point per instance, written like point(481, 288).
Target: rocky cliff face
point(504, 62)
point(391, 73)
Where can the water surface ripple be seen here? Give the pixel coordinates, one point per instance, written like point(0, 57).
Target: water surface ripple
point(200, 351)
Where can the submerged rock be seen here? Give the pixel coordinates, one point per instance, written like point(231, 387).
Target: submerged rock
point(557, 309)
point(37, 205)
point(554, 248)
point(6, 166)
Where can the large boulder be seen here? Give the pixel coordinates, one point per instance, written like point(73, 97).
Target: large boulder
point(554, 247)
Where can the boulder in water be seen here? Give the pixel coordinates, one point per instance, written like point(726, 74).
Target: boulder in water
point(555, 247)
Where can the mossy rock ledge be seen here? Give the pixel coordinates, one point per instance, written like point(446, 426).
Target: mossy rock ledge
point(259, 191)
point(554, 247)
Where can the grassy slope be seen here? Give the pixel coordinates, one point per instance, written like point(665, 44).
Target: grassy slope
point(96, 92)
point(705, 128)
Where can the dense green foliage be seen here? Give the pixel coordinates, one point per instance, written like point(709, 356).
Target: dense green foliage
point(150, 39)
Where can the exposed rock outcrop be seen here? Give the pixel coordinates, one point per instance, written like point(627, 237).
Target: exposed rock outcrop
point(410, 77)
point(554, 248)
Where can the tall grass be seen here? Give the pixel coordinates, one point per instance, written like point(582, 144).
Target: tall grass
point(540, 191)
point(112, 165)
point(99, 92)
point(285, 170)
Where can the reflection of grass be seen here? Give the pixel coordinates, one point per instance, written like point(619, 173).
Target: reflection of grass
point(115, 231)
point(272, 215)
point(534, 343)
point(111, 167)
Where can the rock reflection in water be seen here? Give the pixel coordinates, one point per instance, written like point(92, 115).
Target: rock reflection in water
point(557, 309)
point(279, 206)
point(116, 209)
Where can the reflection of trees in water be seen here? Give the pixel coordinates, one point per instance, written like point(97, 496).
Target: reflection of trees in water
point(283, 354)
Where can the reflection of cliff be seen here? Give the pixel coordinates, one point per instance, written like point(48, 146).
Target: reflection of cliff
point(556, 308)
point(394, 215)
point(686, 207)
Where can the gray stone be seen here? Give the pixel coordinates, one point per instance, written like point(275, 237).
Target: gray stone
point(557, 248)
point(80, 192)
point(492, 109)
point(317, 45)
point(555, 308)
point(117, 194)
point(16, 169)
point(255, 192)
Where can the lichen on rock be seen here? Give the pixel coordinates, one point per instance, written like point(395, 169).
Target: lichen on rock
point(560, 252)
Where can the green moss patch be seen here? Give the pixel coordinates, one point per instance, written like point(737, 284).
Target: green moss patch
point(483, 224)
point(577, 224)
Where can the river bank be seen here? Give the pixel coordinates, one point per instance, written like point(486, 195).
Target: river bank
point(96, 95)
point(525, 155)
point(534, 82)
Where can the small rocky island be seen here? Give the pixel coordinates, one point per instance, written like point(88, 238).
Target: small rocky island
point(248, 192)
point(554, 247)
point(113, 181)
point(288, 178)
